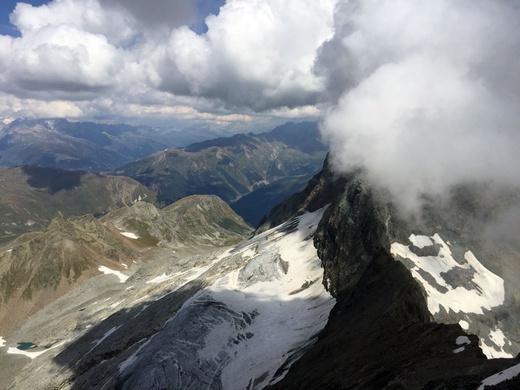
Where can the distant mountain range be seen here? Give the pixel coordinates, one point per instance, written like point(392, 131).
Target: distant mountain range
point(233, 167)
point(276, 163)
point(88, 146)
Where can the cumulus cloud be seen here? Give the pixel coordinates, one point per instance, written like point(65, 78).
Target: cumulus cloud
point(255, 59)
point(256, 54)
point(426, 93)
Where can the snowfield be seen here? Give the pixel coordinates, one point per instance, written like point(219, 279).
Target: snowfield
point(487, 288)
point(502, 376)
point(465, 287)
point(273, 306)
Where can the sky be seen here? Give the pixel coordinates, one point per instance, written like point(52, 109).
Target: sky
point(422, 94)
point(238, 65)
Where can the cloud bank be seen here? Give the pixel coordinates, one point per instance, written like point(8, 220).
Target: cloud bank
point(104, 58)
point(426, 94)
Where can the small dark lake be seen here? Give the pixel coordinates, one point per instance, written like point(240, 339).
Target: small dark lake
point(25, 345)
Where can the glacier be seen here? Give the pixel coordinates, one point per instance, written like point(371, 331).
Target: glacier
point(274, 306)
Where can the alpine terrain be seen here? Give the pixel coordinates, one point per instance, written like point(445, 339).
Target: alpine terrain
point(334, 290)
point(270, 166)
point(31, 196)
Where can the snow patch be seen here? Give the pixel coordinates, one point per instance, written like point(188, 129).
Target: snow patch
point(463, 341)
point(97, 342)
point(420, 241)
point(32, 355)
point(488, 290)
point(502, 376)
point(464, 324)
point(164, 277)
point(129, 235)
point(107, 271)
point(493, 348)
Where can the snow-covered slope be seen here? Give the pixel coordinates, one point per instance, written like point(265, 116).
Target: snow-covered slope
point(273, 308)
point(235, 319)
point(458, 286)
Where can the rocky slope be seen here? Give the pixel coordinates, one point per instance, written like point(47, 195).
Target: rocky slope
point(410, 323)
point(31, 196)
point(82, 145)
point(195, 326)
point(231, 167)
point(39, 267)
point(418, 302)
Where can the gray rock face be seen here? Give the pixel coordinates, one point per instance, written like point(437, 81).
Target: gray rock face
point(380, 333)
point(257, 316)
point(171, 360)
point(354, 229)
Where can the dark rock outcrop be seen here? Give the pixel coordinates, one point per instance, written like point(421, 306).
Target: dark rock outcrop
point(380, 334)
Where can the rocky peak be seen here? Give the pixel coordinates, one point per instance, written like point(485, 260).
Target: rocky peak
point(380, 333)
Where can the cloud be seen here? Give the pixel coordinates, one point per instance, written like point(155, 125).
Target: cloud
point(87, 16)
point(255, 59)
point(255, 54)
point(157, 13)
point(427, 93)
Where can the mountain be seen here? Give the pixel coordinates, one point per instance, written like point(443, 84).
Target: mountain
point(82, 145)
point(38, 267)
point(31, 196)
point(231, 167)
point(201, 320)
point(194, 221)
point(336, 290)
point(412, 294)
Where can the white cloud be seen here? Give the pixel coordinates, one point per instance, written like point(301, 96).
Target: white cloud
point(98, 55)
point(426, 93)
point(256, 54)
point(87, 16)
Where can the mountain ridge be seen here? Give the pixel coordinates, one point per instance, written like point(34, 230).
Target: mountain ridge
point(230, 167)
point(38, 267)
point(31, 196)
point(95, 147)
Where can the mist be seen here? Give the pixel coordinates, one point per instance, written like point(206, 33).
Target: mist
point(425, 94)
